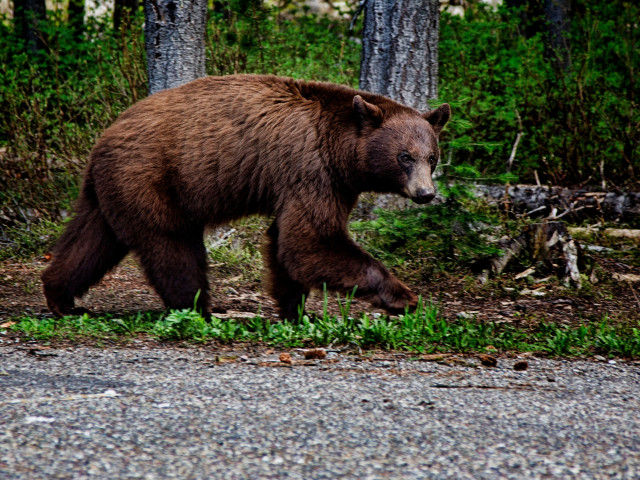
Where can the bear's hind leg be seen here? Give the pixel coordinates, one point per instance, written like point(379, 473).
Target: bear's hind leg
point(176, 267)
point(86, 251)
point(289, 294)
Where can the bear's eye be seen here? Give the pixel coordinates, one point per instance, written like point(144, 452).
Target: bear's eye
point(405, 158)
point(433, 160)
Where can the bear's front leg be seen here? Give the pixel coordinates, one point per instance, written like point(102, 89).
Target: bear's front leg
point(336, 261)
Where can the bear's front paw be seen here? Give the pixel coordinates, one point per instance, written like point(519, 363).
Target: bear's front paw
point(397, 299)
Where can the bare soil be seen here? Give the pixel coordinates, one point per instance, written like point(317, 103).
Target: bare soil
point(504, 300)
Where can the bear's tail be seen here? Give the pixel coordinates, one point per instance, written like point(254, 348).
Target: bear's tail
point(85, 252)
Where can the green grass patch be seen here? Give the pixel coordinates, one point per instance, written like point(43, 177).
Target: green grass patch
point(423, 331)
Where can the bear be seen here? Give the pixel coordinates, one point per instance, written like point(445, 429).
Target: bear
point(221, 148)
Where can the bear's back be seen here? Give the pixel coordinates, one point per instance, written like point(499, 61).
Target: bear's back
point(219, 148)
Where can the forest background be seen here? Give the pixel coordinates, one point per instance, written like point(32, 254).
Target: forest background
point(580, 120)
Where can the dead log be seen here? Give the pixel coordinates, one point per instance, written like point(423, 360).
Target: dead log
point(540, 201)
point(608, 232)
point(548, 244)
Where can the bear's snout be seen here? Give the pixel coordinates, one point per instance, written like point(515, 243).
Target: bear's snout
point(423, 195)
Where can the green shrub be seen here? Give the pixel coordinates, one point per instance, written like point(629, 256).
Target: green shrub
point(580, 125)
point(55, 103)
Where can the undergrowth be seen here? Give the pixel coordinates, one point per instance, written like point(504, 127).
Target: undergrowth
point(441, 237)
point(422, 331)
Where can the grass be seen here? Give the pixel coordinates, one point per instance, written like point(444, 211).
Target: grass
point(423, 331)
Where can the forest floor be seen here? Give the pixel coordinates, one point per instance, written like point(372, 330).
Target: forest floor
point(612, 293)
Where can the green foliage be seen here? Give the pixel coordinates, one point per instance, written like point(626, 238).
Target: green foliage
point(83, 327)
point(442, 236)
point(234, 251)
point(54, 104)
point(578, 125)
point(247, 37)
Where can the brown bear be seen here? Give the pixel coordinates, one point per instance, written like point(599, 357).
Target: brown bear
point(221, 148)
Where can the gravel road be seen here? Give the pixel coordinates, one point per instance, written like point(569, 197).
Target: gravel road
point(171, 413)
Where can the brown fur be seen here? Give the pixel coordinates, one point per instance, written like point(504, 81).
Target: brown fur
point(221, 148)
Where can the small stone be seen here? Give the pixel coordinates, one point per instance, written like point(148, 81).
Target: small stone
point(488, 360)
point(286, 358)
point(315, 353)
point(534, 293)
point(222, 359)
point(521, 365)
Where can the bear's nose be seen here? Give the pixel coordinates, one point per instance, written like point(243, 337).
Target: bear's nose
point(424, 195)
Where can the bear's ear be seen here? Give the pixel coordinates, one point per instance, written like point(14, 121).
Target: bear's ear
point(438, 117)
point(367, 112)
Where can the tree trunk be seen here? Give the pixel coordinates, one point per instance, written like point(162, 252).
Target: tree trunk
point(557, 14)
point(26, 15)
point(122, 12)
point(174, 39)
point(400, 50)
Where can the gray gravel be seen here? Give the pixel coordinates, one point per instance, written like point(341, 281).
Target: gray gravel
point(177, 414)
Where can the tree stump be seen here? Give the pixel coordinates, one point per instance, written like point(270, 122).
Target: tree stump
point(549, 244)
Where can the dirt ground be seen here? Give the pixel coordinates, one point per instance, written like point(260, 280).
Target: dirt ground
point(519, 302)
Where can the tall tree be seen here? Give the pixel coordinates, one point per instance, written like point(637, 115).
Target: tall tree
point(174, 39)
point(26, 15)
point(400, 50)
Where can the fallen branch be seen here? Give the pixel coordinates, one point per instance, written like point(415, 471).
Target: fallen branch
point(514, 149)
point(609, 232)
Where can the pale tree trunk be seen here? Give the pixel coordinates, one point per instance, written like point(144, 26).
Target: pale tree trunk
point(400, 50)
point(174, 38)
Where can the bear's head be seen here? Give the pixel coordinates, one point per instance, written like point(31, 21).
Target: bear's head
point(400, 149)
